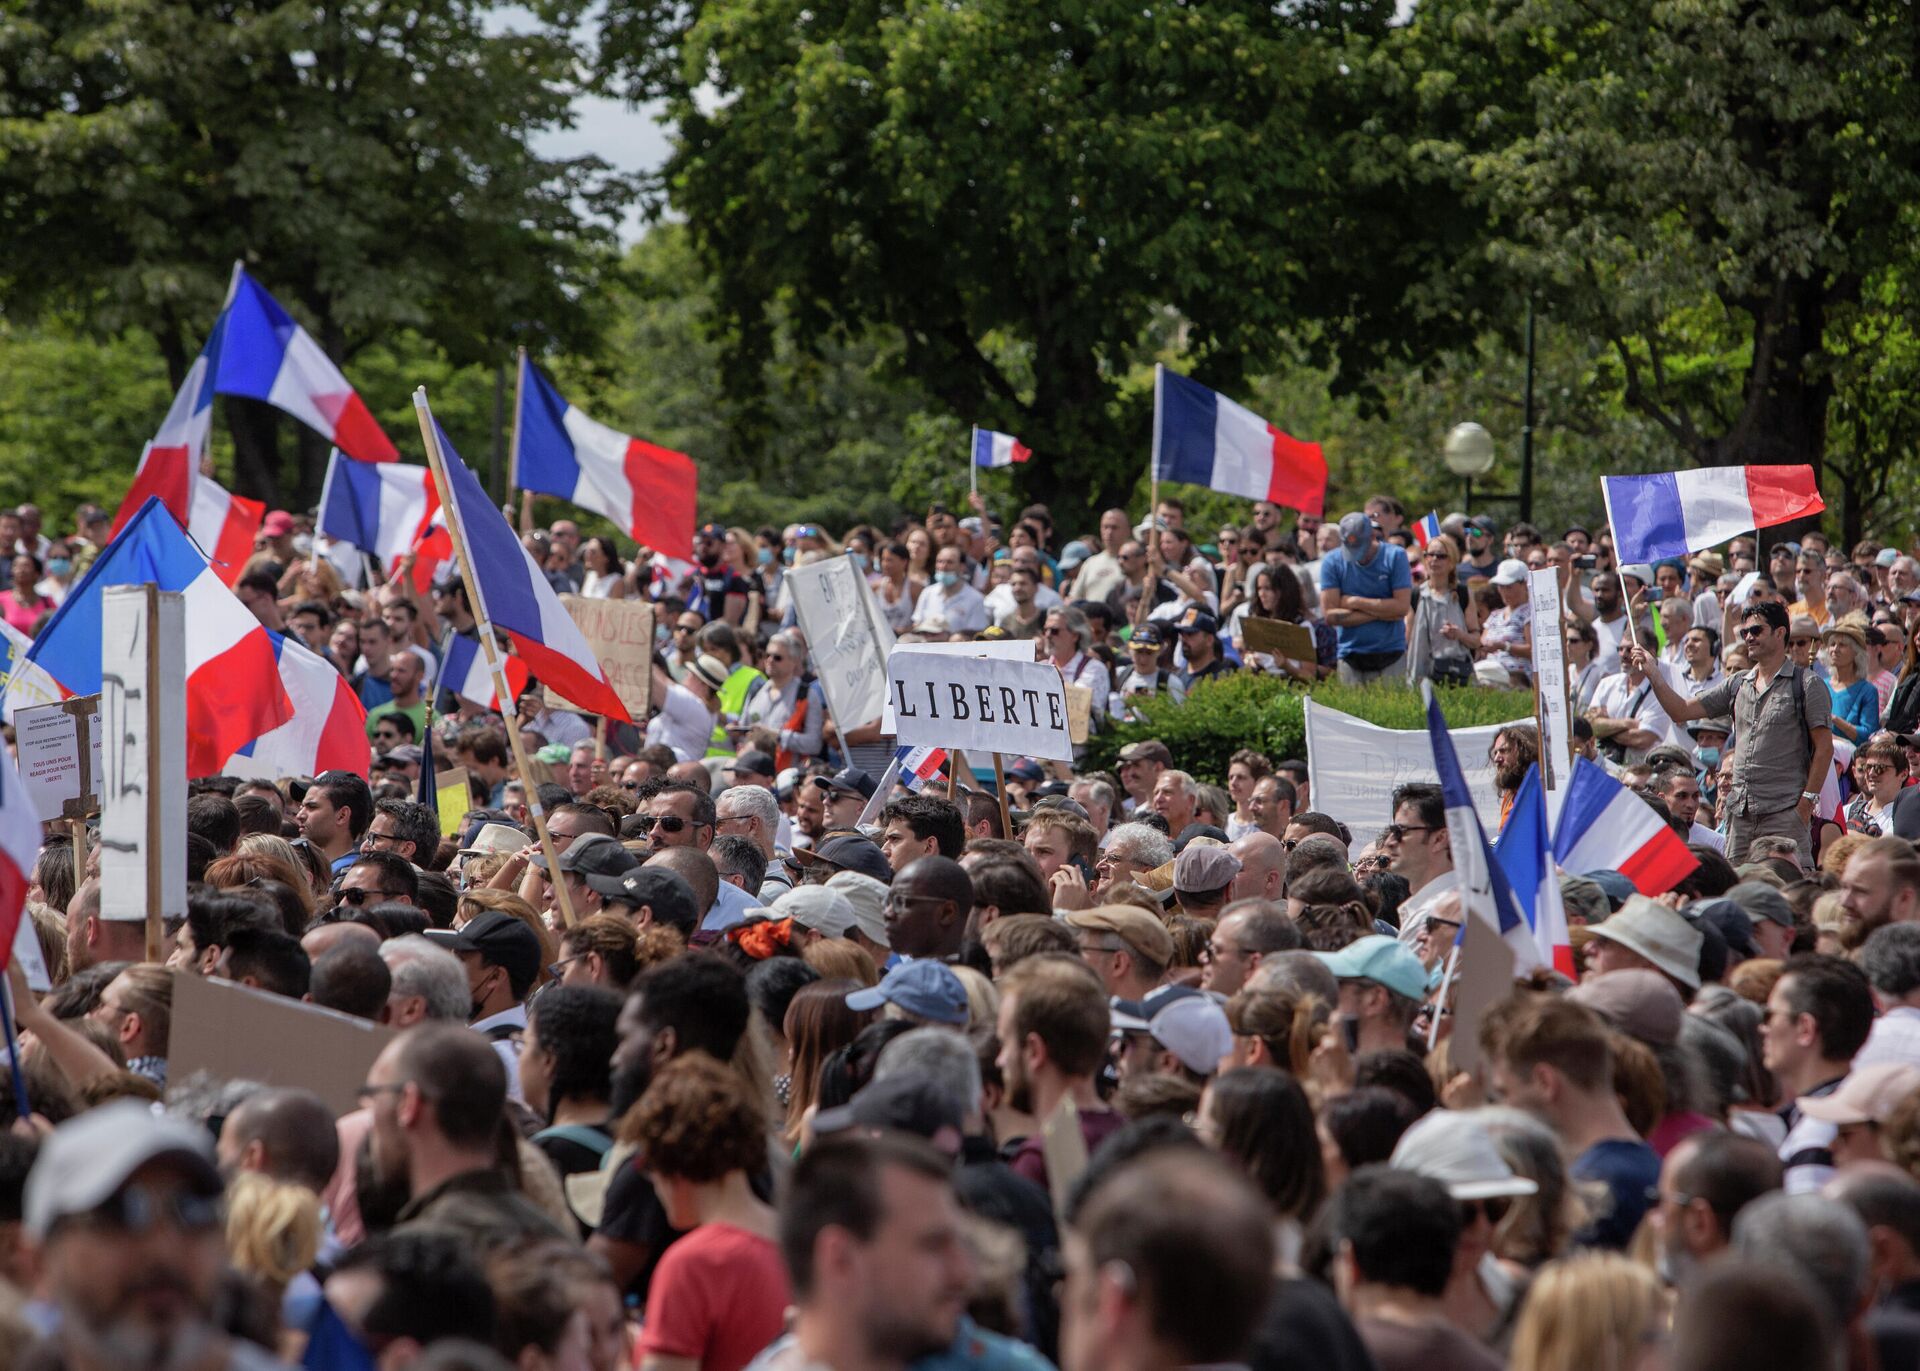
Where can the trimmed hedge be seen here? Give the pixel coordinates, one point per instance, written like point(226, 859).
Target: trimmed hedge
point(1250, 709)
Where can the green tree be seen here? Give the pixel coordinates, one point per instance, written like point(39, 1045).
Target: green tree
point(369, 161)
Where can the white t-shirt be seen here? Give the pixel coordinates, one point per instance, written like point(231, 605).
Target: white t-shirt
point(1613, 699)
point(684, 724)
point(964, 611)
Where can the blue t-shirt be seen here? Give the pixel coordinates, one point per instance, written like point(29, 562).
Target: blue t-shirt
point(1375, 580)
point(1630, 1170)
point(1859, 705)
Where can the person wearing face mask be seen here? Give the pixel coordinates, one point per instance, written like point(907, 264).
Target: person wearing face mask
point(1366, 590)
point(950, 606)
point(58, 566)
point(502, 959)
point(1709, 746)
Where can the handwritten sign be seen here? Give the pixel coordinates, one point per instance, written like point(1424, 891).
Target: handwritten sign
point(1279, 638)
point(454, 795)
point(620, 632)
point(58, 747)
point(980, 705)
point(143, 720)
point(1550, 680)
point(847, 637)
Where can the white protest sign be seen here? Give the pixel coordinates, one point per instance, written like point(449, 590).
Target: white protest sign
point(999, 650)
point(1550, 684)
point(980, 705)
point(1353, 768)
point(46, 742)
point(847, 637)
point(143, 713)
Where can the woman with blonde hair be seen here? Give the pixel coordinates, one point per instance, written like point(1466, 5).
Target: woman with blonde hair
point(1276, 1026)
point(1445, 620)
point(273, 1233)
point(1597, 1311)
point(842, 959)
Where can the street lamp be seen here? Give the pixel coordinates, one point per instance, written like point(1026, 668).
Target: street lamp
point(1468, 452)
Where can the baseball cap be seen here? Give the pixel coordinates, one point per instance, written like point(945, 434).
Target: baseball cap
point(1201, 867)
point(821, 908)
point(1382, 960)
point(1185, 1021)
point(1196, 620)
point(711, 531)
point(925, 989)
point(91, 1155)
point(1139, 930)
point(1641, 1004)
point(902, 1104)
point(1656, 933)
point(1887, 556)
point(277, 524)
point(1511, 572)
point(851, 781)
point(1455, 1148)
point(500, 939)
point(868, 897)
point(1073, 554)
point(1356, 531)
point(1026, 769)
point(1761, 901)
point(1617, 888)
point(851, 852)
point(753, 763)
point(1583, 897)
point(1868, 1095)
point(1147, 750)
point(407, 754)
point(665, 892)
point(1148, 635)
point(597, 859)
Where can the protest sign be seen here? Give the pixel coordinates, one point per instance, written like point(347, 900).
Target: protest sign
point(1550, 683)
point(1079, 713)
point(980, 704)
point(847, 637)
point(1000, 650)
point(58, 749)
point(1484, 977)
point(1279, 638)
point(237, 1033)
point(143, 719)
point(620, 632)
point(453, 794)
point(1353, 767)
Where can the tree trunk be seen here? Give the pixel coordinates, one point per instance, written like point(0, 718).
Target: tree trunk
point(256, 448)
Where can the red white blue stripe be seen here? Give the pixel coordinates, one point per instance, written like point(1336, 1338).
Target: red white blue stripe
point(328, 730)
point(515, 597)
point(1426, 530)
point(992, 449)
point(233, 684)
point(19, 849)
point(465, 673)
point(649, 491)
point(920, 766)
point(1205, 439)
point(1672, 513)
point(383, 510)
point(1485, 891)
point(1604, 826)
point(1525, 853)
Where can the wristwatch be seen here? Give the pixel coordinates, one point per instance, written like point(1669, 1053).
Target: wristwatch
point(1809, 795)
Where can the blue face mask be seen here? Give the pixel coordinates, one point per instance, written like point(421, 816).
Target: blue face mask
point(947, 578)
point(859, 560)
point(1707, 758)
point(786, 556)
point(765, 556)
point(58, 567)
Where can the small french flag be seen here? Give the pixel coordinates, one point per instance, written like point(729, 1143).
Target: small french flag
point(1606, 827)
point(992, 449)
point(1426, 530)
point(920, 766)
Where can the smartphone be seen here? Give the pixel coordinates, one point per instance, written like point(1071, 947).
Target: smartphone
point(1080, 865)
point(1586, 563)
point(1350, 1030)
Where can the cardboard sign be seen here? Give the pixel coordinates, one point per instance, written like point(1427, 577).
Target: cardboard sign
point(143, 715)
point(1079, 712)
point(1353, 767)
point(1279, 638)
point(238, 1033)
point(620, 632)
point(454, 795)
point(847, 637)
point(980, 705)
point(999, 650)
point(58, 749)
point(1550, 685)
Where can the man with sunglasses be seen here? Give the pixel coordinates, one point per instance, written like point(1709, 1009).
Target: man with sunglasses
point(123, 1206)
point(1782, 727)
point(1420, 852)
point(377, 878)
point(676, 815)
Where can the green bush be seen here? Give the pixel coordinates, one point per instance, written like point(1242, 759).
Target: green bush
point(1265, 713)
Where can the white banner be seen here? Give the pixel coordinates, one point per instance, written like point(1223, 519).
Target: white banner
point(1353, 768)
point(1550, 682)
point(999, 650)
point(847, 636)
point(979, 705)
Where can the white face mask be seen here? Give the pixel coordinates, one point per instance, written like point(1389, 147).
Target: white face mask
point(303, 543)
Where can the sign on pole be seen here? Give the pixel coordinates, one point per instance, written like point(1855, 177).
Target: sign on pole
point(143, 714)
point(58, 749)
point(1550, 682)
point(620, 632)
point(980, 704)
point(847, 637)
point(999, 650)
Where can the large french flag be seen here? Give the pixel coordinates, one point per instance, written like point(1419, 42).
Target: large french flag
point(233, 684)
point(1525, 853)
point(1606, 827)
point(224, 525)
point(1485, 891)
point(992, 449)
point(384, 510)
point(649, 491)
point(465, 673)
point(171, 461)
point(1672, 513)
point(328, 730)
point(1205, 439)
point(515, 596)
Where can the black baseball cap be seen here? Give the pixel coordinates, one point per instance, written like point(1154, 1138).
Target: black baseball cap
point(597, 859)
point(753, 763)
point(665, 892)
point(499, 939)
point(901, 1104)
point(852, 852)
point(852, 781)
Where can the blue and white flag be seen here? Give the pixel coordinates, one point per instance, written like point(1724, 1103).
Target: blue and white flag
point(1525, 852)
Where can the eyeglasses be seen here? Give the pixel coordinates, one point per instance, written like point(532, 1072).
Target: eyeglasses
point(367, 843)
point(669, 823)
point(1394, 833)
point(1752, 630)
point(897, 901)
point(1495, 1209)
point(559, 968)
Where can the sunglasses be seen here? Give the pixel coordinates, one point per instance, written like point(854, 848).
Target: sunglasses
point(356, 897)
point(1495, 1209)
point(669, 823)
point(1755, 630)
point(137, 1209)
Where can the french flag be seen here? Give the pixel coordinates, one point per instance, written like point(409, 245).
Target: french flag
point(328, 730)
point(465, 673)
point(384, 510)
point(234, 693)
point(1672, 513)
point(1426, 530)
point(1205, 439)
point(647, 490)
point(992, 449)
point(224, 525)
point(1525, 853)
point(1606, 827)
point(920, 766)
point(19, 849)
point(1485, 891)
point(170, 462)
point(515, 596)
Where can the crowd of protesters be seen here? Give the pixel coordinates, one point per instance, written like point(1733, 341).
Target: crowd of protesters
point(768, 1068)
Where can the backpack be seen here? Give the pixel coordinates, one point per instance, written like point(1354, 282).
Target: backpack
point(584, 1135)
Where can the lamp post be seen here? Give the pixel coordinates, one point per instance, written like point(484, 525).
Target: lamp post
point(1468, 452)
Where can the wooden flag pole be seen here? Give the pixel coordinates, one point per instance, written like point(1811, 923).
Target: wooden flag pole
point(973, 466)
point(490, 645)
point(1606, 498)
point(513, 441)
point(1000, 784)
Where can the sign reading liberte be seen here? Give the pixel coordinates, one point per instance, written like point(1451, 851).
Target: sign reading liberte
point(979, 704)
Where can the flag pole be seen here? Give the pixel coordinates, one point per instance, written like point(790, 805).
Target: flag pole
point(1153, 505)
point(513, 440)
point(429, 435)
point(1606, 498)
point(20, 1102)
point(973, 466)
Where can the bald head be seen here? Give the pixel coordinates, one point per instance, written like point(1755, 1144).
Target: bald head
point(939, 878)
point(317, 942)
point(1263, 867)
point(694, 867)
